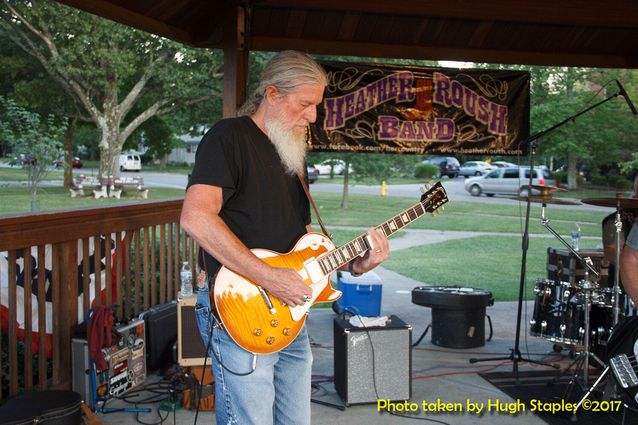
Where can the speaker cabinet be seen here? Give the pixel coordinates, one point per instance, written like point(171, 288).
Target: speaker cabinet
point(372, 363)
point(190, 348)
point(161, 333)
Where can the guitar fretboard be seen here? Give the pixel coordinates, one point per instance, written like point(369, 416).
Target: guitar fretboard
point(331, 261)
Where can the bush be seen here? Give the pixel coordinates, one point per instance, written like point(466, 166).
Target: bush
point(619, 182)
point(599, 181)
point(561, 176)
point(426, 171)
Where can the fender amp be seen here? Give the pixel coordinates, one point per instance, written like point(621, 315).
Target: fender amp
point(372, 363)
point(190, 348)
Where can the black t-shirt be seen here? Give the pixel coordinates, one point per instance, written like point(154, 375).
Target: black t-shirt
point(262, 205)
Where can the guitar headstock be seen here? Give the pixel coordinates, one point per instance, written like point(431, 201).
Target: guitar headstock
point(433, 198)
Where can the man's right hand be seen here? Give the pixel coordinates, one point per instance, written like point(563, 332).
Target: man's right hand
point(287, 285)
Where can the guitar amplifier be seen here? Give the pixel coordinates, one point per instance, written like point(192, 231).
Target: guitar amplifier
point(372, 363)
point(190, 347)
point(126, 362)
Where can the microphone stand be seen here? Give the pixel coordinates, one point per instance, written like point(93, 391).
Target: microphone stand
point(515, 353)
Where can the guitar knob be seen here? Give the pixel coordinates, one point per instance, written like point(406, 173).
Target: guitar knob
point(274, 323)
point(257, 332)
point(286, 331)
point(270, 340)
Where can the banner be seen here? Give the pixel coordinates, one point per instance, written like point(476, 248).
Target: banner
point(422, 110)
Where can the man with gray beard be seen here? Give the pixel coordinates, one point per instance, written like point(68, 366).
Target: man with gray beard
point(245, 193)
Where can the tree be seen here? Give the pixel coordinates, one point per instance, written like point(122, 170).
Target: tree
point(24, 81)
point(109, 69)
point(36, 143)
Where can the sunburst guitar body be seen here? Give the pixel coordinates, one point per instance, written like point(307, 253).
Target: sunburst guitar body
point(265, 326)
point(259, 322)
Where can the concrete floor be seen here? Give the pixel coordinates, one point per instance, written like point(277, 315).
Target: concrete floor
point(439, 374)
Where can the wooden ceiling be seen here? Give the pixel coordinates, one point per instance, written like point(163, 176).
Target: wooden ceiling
point(591, 33)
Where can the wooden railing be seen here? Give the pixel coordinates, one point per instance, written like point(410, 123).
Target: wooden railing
point(139, 249)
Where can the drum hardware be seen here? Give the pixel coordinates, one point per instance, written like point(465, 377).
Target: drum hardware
point(618, 202)
point(587, 287)
point(532, 142)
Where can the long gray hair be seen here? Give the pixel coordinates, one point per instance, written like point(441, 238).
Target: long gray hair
point(286, 71)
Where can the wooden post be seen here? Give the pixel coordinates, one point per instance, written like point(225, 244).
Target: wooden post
point(235, 61)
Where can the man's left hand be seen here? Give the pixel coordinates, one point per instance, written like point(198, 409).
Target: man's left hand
point(378, 254)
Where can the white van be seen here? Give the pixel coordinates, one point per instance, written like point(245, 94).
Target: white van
point(509, 181)
point(130, 162)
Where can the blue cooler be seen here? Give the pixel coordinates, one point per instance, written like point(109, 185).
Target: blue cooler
point(361, 294)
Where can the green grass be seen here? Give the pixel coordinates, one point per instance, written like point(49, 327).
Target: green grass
point(18, 199)
point(489, 262)
point(368, 210)
point(20, 175)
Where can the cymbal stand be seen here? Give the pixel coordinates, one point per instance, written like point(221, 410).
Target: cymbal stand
point(616, 288)
point(515, 353)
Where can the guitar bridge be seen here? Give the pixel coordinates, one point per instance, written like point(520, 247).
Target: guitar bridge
point(624, 372)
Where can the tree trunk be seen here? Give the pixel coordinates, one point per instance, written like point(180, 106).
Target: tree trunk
point(68, 154)
point(110, 149)
point(344, 198)
point(572, 172)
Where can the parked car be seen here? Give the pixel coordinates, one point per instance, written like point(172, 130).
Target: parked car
point(75, 162)
point(338, 166)
point(27, 160)
point(448, 165)
point(130, 162)
point(509, 181)
point(503, 164)
point(475, 168)
point(323, 167)
point(313, 175)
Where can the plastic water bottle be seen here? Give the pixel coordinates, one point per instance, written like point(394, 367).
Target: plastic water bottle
point(576, 237)
point(186, 280)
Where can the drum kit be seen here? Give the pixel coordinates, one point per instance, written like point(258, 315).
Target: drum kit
point(581, 315)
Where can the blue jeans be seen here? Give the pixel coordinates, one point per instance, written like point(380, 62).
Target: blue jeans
point(277, 392)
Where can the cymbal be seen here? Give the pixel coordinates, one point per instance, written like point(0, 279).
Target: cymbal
point(547, 189)
point(612, 202)
point(547, 199)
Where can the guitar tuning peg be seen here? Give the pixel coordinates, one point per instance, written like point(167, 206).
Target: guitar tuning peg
point(422, 189)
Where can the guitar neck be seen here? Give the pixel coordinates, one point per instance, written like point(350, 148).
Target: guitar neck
point(333, 260)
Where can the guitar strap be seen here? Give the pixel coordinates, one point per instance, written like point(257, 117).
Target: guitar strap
point(314, 207)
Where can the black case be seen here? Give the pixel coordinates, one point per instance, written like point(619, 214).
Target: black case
point(161, 333)
point(43, 407)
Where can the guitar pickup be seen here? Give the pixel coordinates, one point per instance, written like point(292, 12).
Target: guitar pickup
point(314, 271)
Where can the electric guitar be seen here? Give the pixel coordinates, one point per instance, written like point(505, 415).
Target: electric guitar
point(259, 322)
point(622, 350)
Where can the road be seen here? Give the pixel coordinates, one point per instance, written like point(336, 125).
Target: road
point(454, 188)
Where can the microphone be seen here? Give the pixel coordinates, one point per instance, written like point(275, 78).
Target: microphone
point(624, 94)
